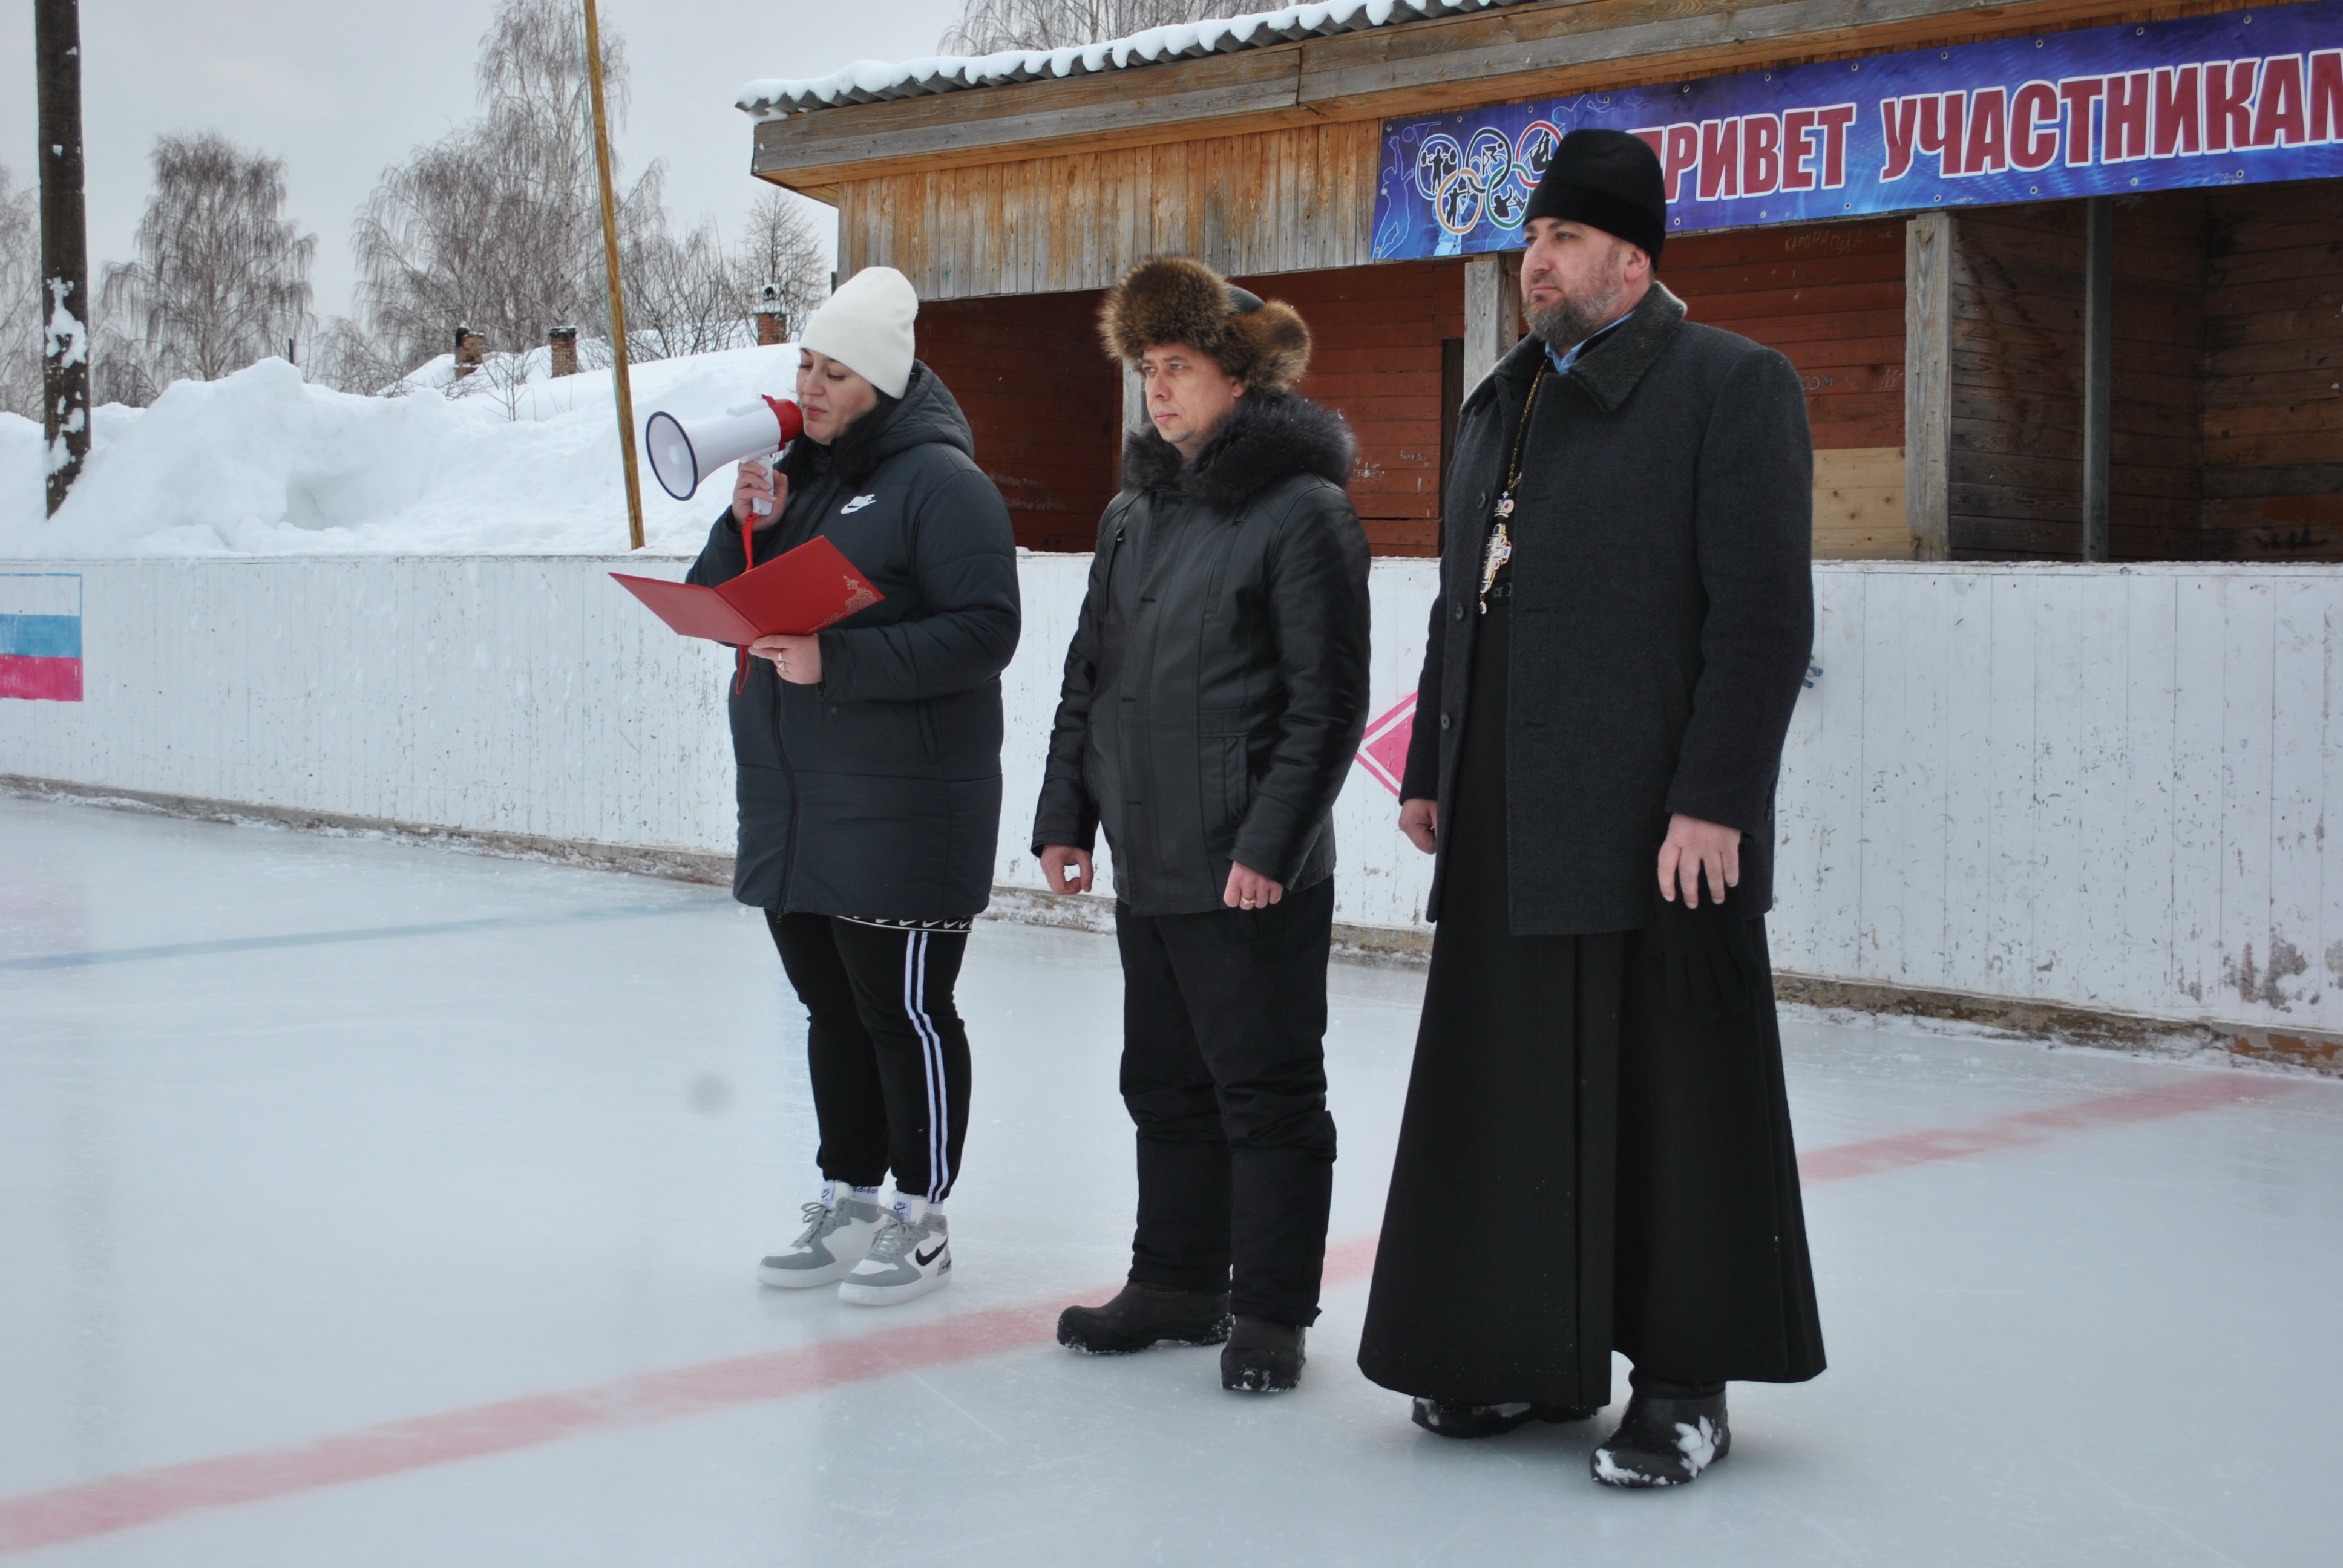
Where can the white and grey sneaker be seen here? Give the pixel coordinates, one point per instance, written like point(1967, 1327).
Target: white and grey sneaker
point(911, 1256)
point(840, 1227)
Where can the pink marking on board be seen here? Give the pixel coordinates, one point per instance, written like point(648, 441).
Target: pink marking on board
point(1383, 751)
point(40, 680)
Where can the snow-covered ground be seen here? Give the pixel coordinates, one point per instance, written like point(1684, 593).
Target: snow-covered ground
point(264, 463)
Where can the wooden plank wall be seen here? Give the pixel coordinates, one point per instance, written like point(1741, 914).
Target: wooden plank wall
point(1045, 403)
point(1279, 201)
point(2017, 485)
point(2273, 390)
point(1376, 332)
point(1831, 298)
point(2017, 366)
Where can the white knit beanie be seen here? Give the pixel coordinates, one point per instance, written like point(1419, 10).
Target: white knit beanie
point(865, 326)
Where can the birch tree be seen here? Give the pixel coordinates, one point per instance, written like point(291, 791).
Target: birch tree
point(20, 298)
point(987, 26)
point(222, 277)
point(498, 225)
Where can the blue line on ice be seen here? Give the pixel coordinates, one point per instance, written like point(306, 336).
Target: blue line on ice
point(323, 939)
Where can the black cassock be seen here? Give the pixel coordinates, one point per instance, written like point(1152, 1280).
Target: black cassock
point(1581, 1169)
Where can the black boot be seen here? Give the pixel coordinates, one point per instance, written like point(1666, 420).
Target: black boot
point(1486, 1419)
point(1262, 1356)
point(1144, 1315)
point(1663, 1441)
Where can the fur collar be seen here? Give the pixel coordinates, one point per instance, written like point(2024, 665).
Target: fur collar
point(1264, 440)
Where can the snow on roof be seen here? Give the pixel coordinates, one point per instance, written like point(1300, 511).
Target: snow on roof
point(874, 81)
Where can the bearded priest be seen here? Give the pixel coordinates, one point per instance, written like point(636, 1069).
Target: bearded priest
point(1596, 1153)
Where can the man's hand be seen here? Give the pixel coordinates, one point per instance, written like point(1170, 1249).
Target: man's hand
point(1250, 889)
point(797, 658)
point(1066, 868)
point(755, 484)
point(1420, 820)
point(1694, 846)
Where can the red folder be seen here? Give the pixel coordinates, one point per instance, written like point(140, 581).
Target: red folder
point(812, 587)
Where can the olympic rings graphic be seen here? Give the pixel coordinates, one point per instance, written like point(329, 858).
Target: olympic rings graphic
point(1436, 162)
point(1487, 175)
point(1490, 156)
point(1458, 204)
point(1533, 151)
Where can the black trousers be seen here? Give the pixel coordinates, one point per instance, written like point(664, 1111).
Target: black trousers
point(1225, 1074)
point(886, 1047)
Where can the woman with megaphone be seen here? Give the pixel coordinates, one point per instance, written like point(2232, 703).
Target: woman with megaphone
point(869, 778)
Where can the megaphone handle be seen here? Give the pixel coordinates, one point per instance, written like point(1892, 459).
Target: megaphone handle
point(765, 508)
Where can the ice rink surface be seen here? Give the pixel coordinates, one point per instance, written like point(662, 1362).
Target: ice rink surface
point(370, 1205)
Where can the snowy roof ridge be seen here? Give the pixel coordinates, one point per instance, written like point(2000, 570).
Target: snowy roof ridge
point(875, 81)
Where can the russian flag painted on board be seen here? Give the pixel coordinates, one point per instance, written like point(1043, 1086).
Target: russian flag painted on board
point(40, 636)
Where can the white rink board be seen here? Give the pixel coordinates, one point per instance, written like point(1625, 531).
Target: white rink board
point(2098, 786)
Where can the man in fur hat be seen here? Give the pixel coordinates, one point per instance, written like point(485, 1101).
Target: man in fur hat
point(1213, 696)
point(1595, 1154)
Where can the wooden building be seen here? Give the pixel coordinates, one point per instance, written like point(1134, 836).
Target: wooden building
point(2130, 374)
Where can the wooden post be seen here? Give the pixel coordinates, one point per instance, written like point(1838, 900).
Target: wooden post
point(618, 384)
point(561, 350)
point(1493, 307)
point(2098, 368)
point(64, 246)
point(1928, 384)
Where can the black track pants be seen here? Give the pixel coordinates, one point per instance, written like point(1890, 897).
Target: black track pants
point(887, 1050)
point(1225, 1074)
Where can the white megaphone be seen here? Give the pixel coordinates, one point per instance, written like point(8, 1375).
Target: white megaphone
point(683, 454)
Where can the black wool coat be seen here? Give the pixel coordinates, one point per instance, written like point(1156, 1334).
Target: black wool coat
point(1217, 683)
point(877, 791)
point(1663, 611)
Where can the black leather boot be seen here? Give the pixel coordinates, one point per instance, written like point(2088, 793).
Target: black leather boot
point(1663, 1441)
point(1486, 1419)
point(1262, 1356)
point(1141, 1316)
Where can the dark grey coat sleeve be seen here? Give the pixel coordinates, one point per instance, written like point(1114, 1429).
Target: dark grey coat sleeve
point(1318, 611)
point(1420, 780)
point(1066, 814)
point(1754, 535)
point(964, 561)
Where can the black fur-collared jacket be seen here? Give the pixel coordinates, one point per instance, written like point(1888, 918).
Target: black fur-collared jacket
point(1217, 684)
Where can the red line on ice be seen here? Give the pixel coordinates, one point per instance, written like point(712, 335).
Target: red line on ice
point(2022, 1128)
point(148, 1496)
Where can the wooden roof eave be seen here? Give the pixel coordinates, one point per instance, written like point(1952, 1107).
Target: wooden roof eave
point(1545, 50)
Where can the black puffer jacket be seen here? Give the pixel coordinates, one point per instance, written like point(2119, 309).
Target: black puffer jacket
point(1217, 684)
point(877, 792)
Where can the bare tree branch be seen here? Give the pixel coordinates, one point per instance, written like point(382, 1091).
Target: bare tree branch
point(221, 280)
point(20, 298)
point(987, 26)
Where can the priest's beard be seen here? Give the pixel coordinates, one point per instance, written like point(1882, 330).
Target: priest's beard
point(1572, 318)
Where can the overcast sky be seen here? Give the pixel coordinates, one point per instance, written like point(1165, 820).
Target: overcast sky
point(338, 95)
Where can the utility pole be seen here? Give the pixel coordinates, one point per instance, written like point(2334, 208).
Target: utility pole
point(618, 385)
point(64, 246)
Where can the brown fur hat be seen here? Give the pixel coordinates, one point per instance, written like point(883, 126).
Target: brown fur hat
point(1265, 343)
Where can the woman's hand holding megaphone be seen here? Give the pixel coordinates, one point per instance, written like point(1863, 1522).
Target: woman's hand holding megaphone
point(759, 494)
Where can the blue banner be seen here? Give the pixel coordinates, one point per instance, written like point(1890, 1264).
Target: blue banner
point(2239, 98)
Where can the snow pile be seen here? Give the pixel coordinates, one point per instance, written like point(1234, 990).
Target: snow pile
point(868, 81)
point(263, 463)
